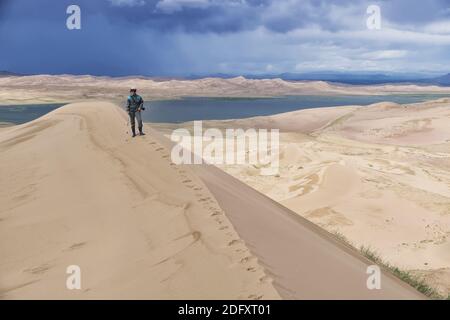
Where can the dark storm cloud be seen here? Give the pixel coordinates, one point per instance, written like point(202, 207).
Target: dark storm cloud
point(225, 16)
point(165, 37)
point(195, 16)
point(4, 7)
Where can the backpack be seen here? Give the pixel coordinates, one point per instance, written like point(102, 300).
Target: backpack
point(136, 102)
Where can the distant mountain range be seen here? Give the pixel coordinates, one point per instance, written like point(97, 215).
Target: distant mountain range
point(354, 78)
point(442, 80)
point(7, 74)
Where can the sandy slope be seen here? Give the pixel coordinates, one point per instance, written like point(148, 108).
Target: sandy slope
point(303, 260)
point(68, 88)
point(379, 175)
point(76, 191)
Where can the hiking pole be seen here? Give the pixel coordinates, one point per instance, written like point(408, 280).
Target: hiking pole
point(128, 123)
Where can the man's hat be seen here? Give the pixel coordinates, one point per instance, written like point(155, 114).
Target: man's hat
point(133, 89)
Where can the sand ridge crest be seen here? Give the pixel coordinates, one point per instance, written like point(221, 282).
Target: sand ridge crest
point(78, 191)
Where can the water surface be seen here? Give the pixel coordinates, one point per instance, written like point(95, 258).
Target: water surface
point(188, 109)
point(19, 114)
point(202, 108)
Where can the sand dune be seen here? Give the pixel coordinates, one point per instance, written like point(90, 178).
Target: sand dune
point(75, 190)
point(303, 260)
point(69, 88)
point(379, 175)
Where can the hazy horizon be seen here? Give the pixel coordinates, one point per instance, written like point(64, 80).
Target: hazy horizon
point(262, 75)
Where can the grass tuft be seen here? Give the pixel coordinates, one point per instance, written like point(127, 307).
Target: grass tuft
point(403, 275)
point(414, 281)
point(341, 237)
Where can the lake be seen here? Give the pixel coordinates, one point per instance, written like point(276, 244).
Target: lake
point(188, 109)
point(18, 114)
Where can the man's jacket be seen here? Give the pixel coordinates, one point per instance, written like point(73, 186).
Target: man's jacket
point(134, 103)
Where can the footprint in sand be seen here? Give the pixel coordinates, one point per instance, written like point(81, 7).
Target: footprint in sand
point(77, 246)
point(247, 259)
point(234, 242)
point(39, 269)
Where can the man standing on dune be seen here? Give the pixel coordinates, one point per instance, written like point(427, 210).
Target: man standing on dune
point(135, 104)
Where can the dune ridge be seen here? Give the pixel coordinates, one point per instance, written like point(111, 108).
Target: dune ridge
point(75, 190)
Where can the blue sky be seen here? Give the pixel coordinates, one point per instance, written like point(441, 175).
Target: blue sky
point(184, 37)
